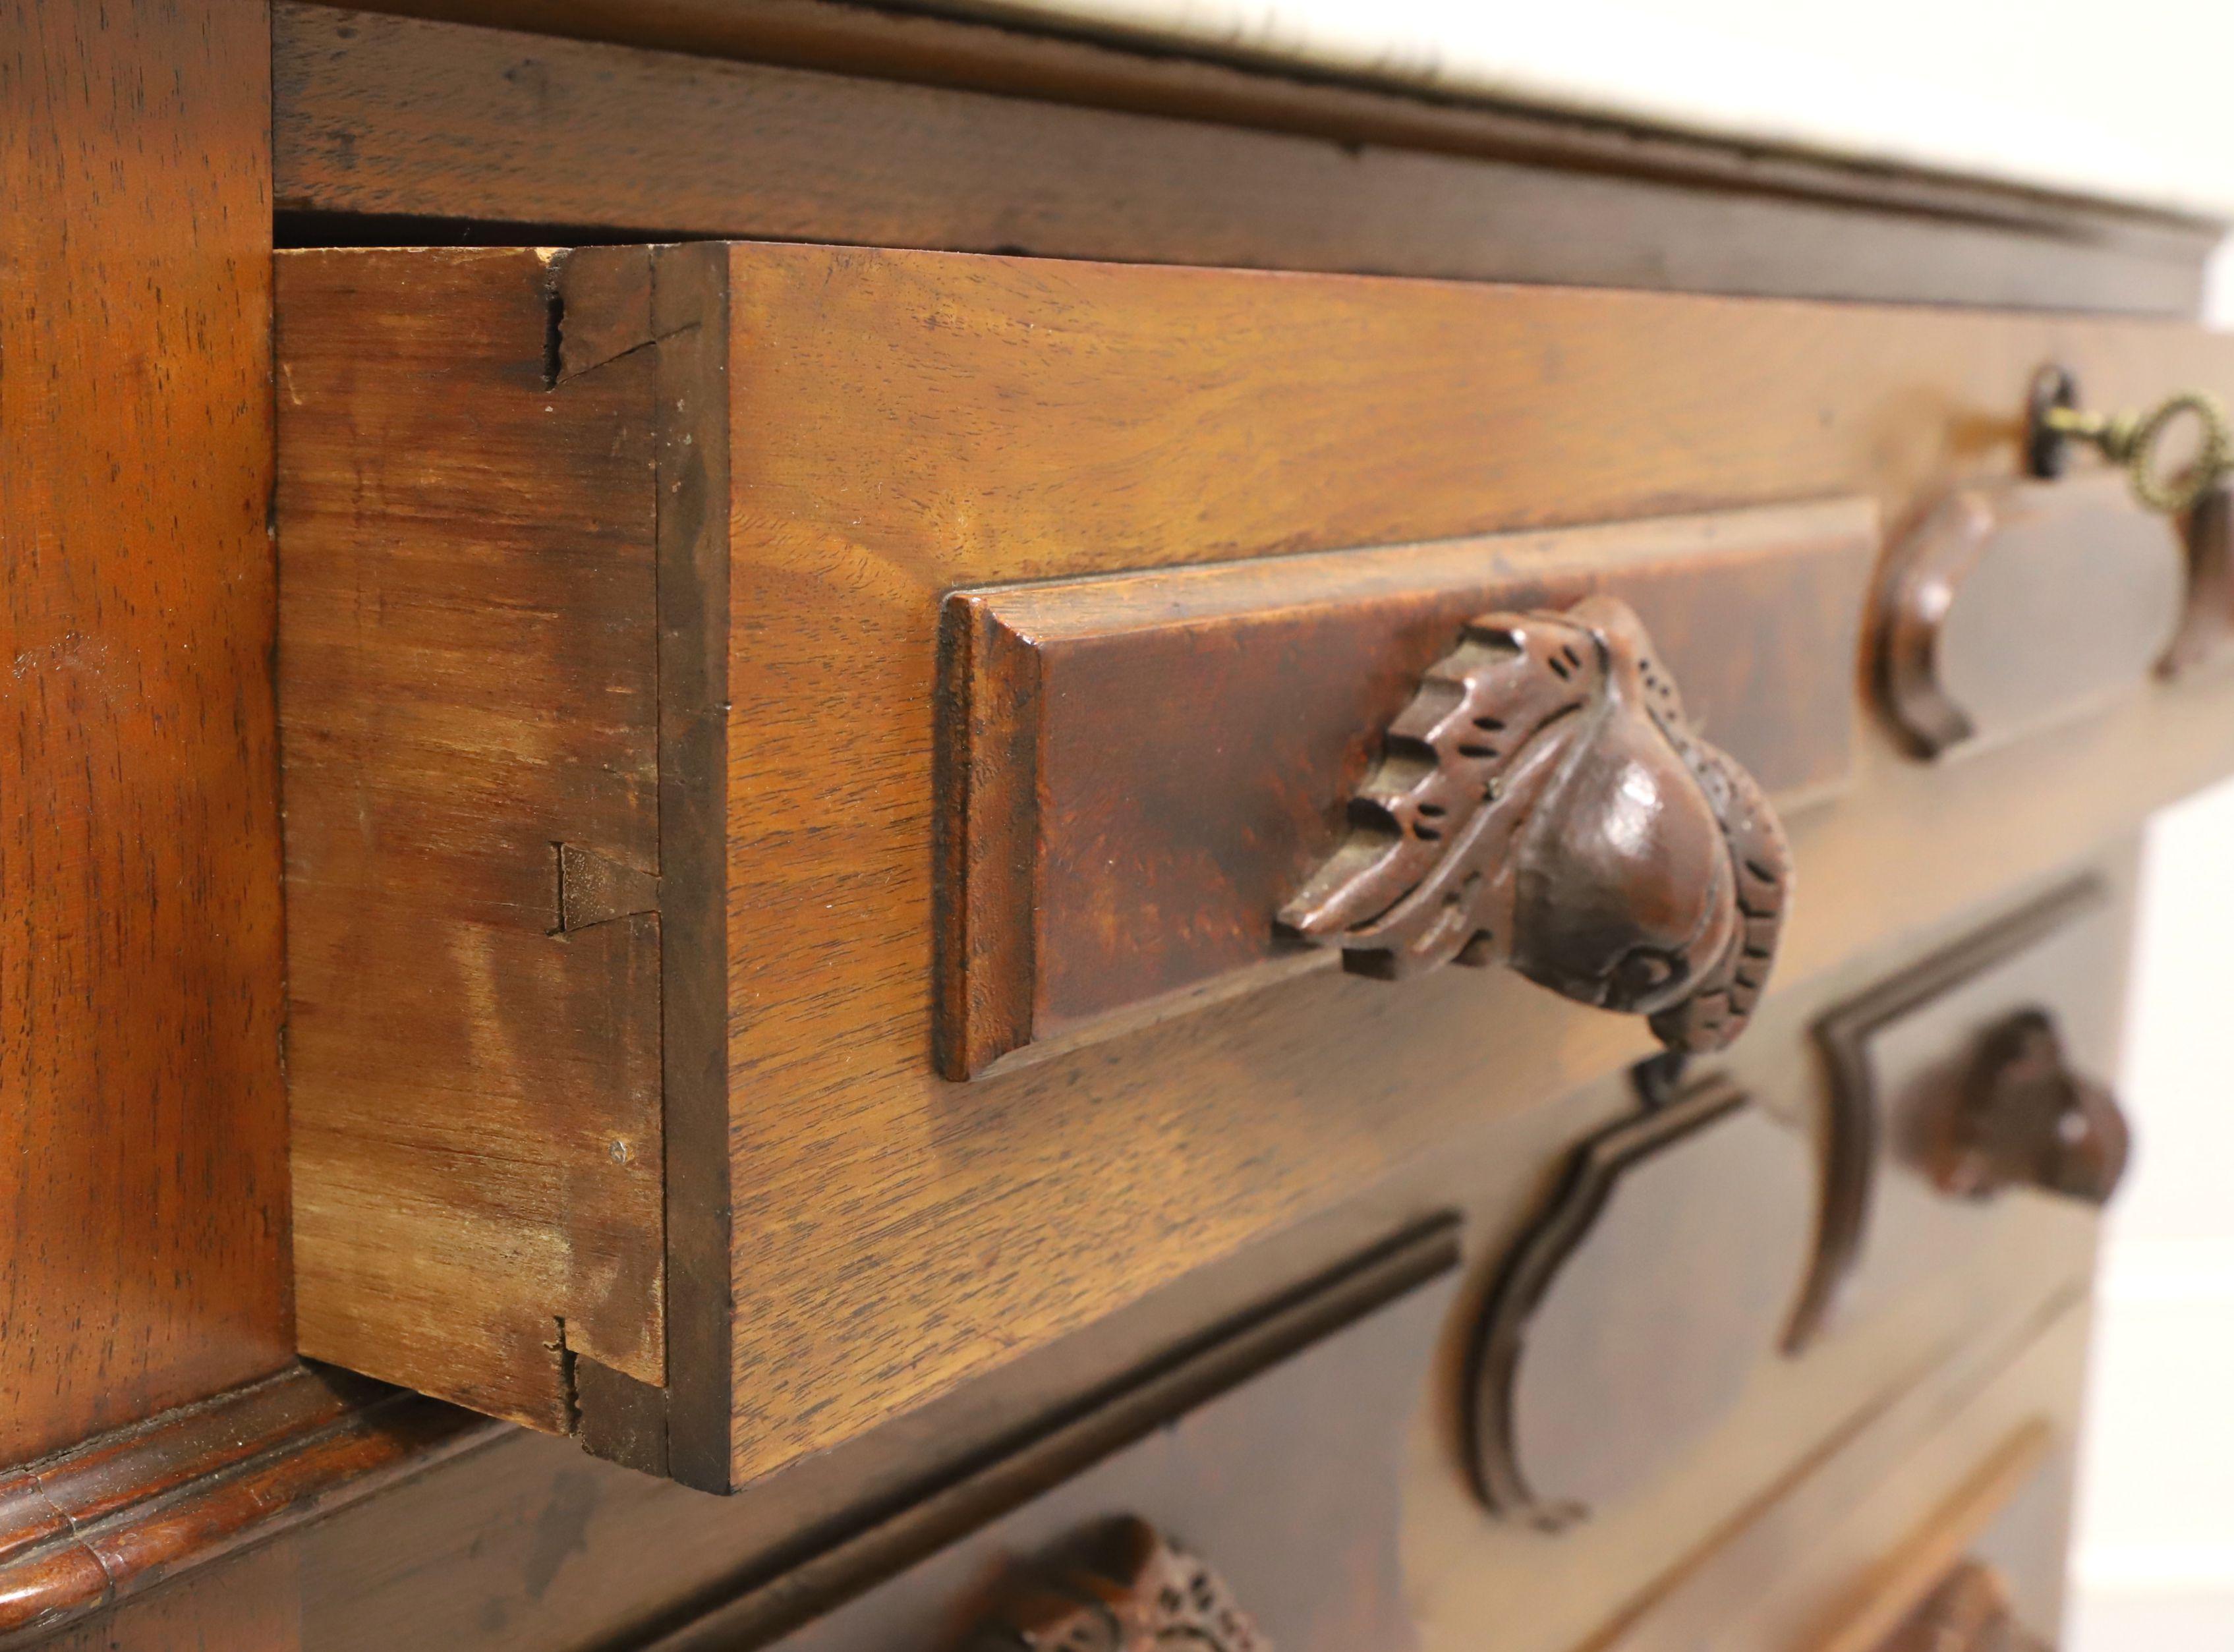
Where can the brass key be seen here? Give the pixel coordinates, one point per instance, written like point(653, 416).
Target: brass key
point(2133, 440)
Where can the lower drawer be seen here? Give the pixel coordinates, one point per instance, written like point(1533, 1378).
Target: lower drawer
point(1660, 1464)
point(1319, 1507)
point(1977, 1464)
point(1267, 1518)
point(1323, 1451)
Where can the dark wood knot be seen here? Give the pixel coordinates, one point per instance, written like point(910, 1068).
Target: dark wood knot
point(1543, 802)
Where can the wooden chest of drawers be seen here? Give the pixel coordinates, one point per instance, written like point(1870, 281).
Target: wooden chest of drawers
point(872, 819)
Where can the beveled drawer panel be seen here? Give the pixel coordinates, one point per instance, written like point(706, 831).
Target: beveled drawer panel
point(611, 671)
point(1179, 742)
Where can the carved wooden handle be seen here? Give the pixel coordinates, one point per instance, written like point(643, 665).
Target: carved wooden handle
point(1541, 802)
point(1137, 1593)
point(2023, 1116)
point(1970, 1612)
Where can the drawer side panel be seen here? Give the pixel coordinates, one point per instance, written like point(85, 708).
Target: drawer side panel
point(469, 711)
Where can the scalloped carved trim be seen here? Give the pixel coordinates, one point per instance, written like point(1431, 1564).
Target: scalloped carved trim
point(1139, 1593)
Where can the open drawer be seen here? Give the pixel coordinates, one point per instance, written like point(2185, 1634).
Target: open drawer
point(777, 929)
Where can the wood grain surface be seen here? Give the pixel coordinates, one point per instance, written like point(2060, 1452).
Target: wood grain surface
point(987, 55)
point(1751, 1541)
point(1972, 1444)
point(1905, 1049)
point(688, 315)
point(469, 707)
point(1142, 770)
point(143, 1172)
point(1301, 1538)
point(382, 114)
point(1747, 1544)
point(901, 426)
point(250, 1603)
point(1883, 1598)
point(908, 424)
point(512, 1548)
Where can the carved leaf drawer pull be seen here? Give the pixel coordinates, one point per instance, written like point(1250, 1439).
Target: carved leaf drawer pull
point(1139, 1593)
point(1543, 802)
point(2024, 1116)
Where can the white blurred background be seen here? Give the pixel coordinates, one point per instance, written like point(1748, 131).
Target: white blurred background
point(2153, 1561)
point(2120, 99)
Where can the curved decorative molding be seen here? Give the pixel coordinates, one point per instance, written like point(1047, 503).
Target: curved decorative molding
point(1138, 1592)
point(2013, 605)
point(84, 1529)
point(1543, 802)
point(1593, 1368)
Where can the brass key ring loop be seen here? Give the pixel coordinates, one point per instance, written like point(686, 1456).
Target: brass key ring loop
point(2136, 444)
point(2132, 440)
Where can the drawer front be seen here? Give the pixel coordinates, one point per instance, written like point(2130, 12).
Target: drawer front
point(1812, 1495)
point(1297, 1549)
point(631, 759)
point(1965, 1104)
point(1817, 1498)
point(1948, 1502)
point(1180, 742)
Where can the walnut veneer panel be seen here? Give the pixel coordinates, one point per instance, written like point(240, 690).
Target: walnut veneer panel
point(840, 438)
point(143, 1120)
